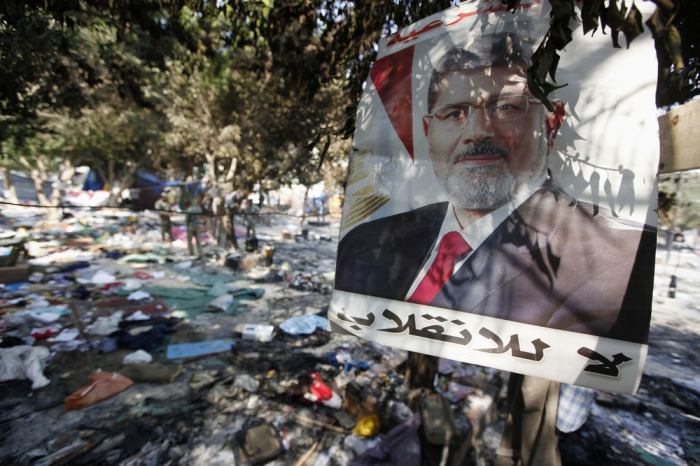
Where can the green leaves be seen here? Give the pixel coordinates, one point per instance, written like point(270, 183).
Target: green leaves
point(591, 11)
point(630, 24)
point(619, 19)
point(545, 60)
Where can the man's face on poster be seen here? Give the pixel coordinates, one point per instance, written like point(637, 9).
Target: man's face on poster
point(482, 162)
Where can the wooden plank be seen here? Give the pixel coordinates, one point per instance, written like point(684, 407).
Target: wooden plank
point(679, 136)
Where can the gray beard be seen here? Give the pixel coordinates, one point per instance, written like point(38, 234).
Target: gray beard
point(490, 187)
point(484, 188)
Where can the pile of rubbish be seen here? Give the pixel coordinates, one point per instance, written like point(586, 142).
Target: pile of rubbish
point(119, 348)
point(277, 395)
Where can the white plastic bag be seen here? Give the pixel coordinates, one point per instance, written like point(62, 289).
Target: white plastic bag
point(24, 362)
point(138, 357)
point(247, 383)
point(138, 295)
point(221, 303)
point(102, 278)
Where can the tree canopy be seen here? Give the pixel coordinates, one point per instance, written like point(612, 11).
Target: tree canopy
point(255, 90)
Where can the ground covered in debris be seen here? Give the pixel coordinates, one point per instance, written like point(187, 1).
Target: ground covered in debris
point(137, 353)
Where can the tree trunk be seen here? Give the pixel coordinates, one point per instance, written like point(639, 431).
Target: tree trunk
point(39, 187)
point(303, 209)
point(65, 175)
point(38, 176)
point(126, 179)
point(8, 186)
point(232, 169)
point(114, 195)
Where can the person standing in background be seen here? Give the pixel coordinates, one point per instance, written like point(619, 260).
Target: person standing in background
point(192, 221)
point(164, 208)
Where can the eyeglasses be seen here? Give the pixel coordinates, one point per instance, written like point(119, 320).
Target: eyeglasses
point(503, 108)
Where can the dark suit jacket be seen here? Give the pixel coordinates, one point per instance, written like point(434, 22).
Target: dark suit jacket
point(554, 262)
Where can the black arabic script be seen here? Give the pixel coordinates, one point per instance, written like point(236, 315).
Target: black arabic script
point(433, 332)
point(513, 346)
point(607, 367)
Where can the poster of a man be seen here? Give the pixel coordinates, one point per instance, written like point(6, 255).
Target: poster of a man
point(505, 241)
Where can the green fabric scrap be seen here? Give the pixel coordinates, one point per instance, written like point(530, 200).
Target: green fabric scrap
point(652, 459)
point(175, 293)
point(52, 310)
point(188, 303)
point(219, 289)
point(147, 257)
point(249, 293)
point(205, 279)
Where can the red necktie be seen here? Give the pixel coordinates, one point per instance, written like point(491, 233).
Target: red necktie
point(451, 247)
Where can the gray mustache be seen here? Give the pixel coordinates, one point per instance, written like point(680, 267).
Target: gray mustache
point(482, 148)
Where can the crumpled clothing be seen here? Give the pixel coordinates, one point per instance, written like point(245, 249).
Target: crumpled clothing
point(147, 339)
point(101, 386)
point(304, 325)
point(102, 278)
point(222, 303)
point(400, 447)
point(106, 325)
point(150, 320)
point(24, 362)
point(138, 296)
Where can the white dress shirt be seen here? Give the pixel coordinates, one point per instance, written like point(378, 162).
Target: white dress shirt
point(475, 233)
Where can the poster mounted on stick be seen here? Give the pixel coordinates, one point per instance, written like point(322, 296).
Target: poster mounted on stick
point(478, 225)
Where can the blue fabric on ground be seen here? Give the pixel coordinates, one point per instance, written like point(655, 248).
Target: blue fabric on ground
point(304, 325)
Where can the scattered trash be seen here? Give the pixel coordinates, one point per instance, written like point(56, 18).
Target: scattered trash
point(69, 345)
point(308, 385)
point(360, 444)
point(256, 332)
point(24, 362)
point(339, 358)
point(107, 345)
point(190, 350)
point(106, 325)
point(233, 261)
point(183, 265)
point(102, 385)
point(202, 379)
point(304, 325)
point(138, 357)
point(138, 296)
point(64, 455)
point(67, 334)
point(257, 445)
point(438, 424)
point(367, 426)
point(152, 373)
point(246, 382)
point(44, 333)
point(102, 278)
point(138, 315)
point(220, 304)
point(400, 447)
